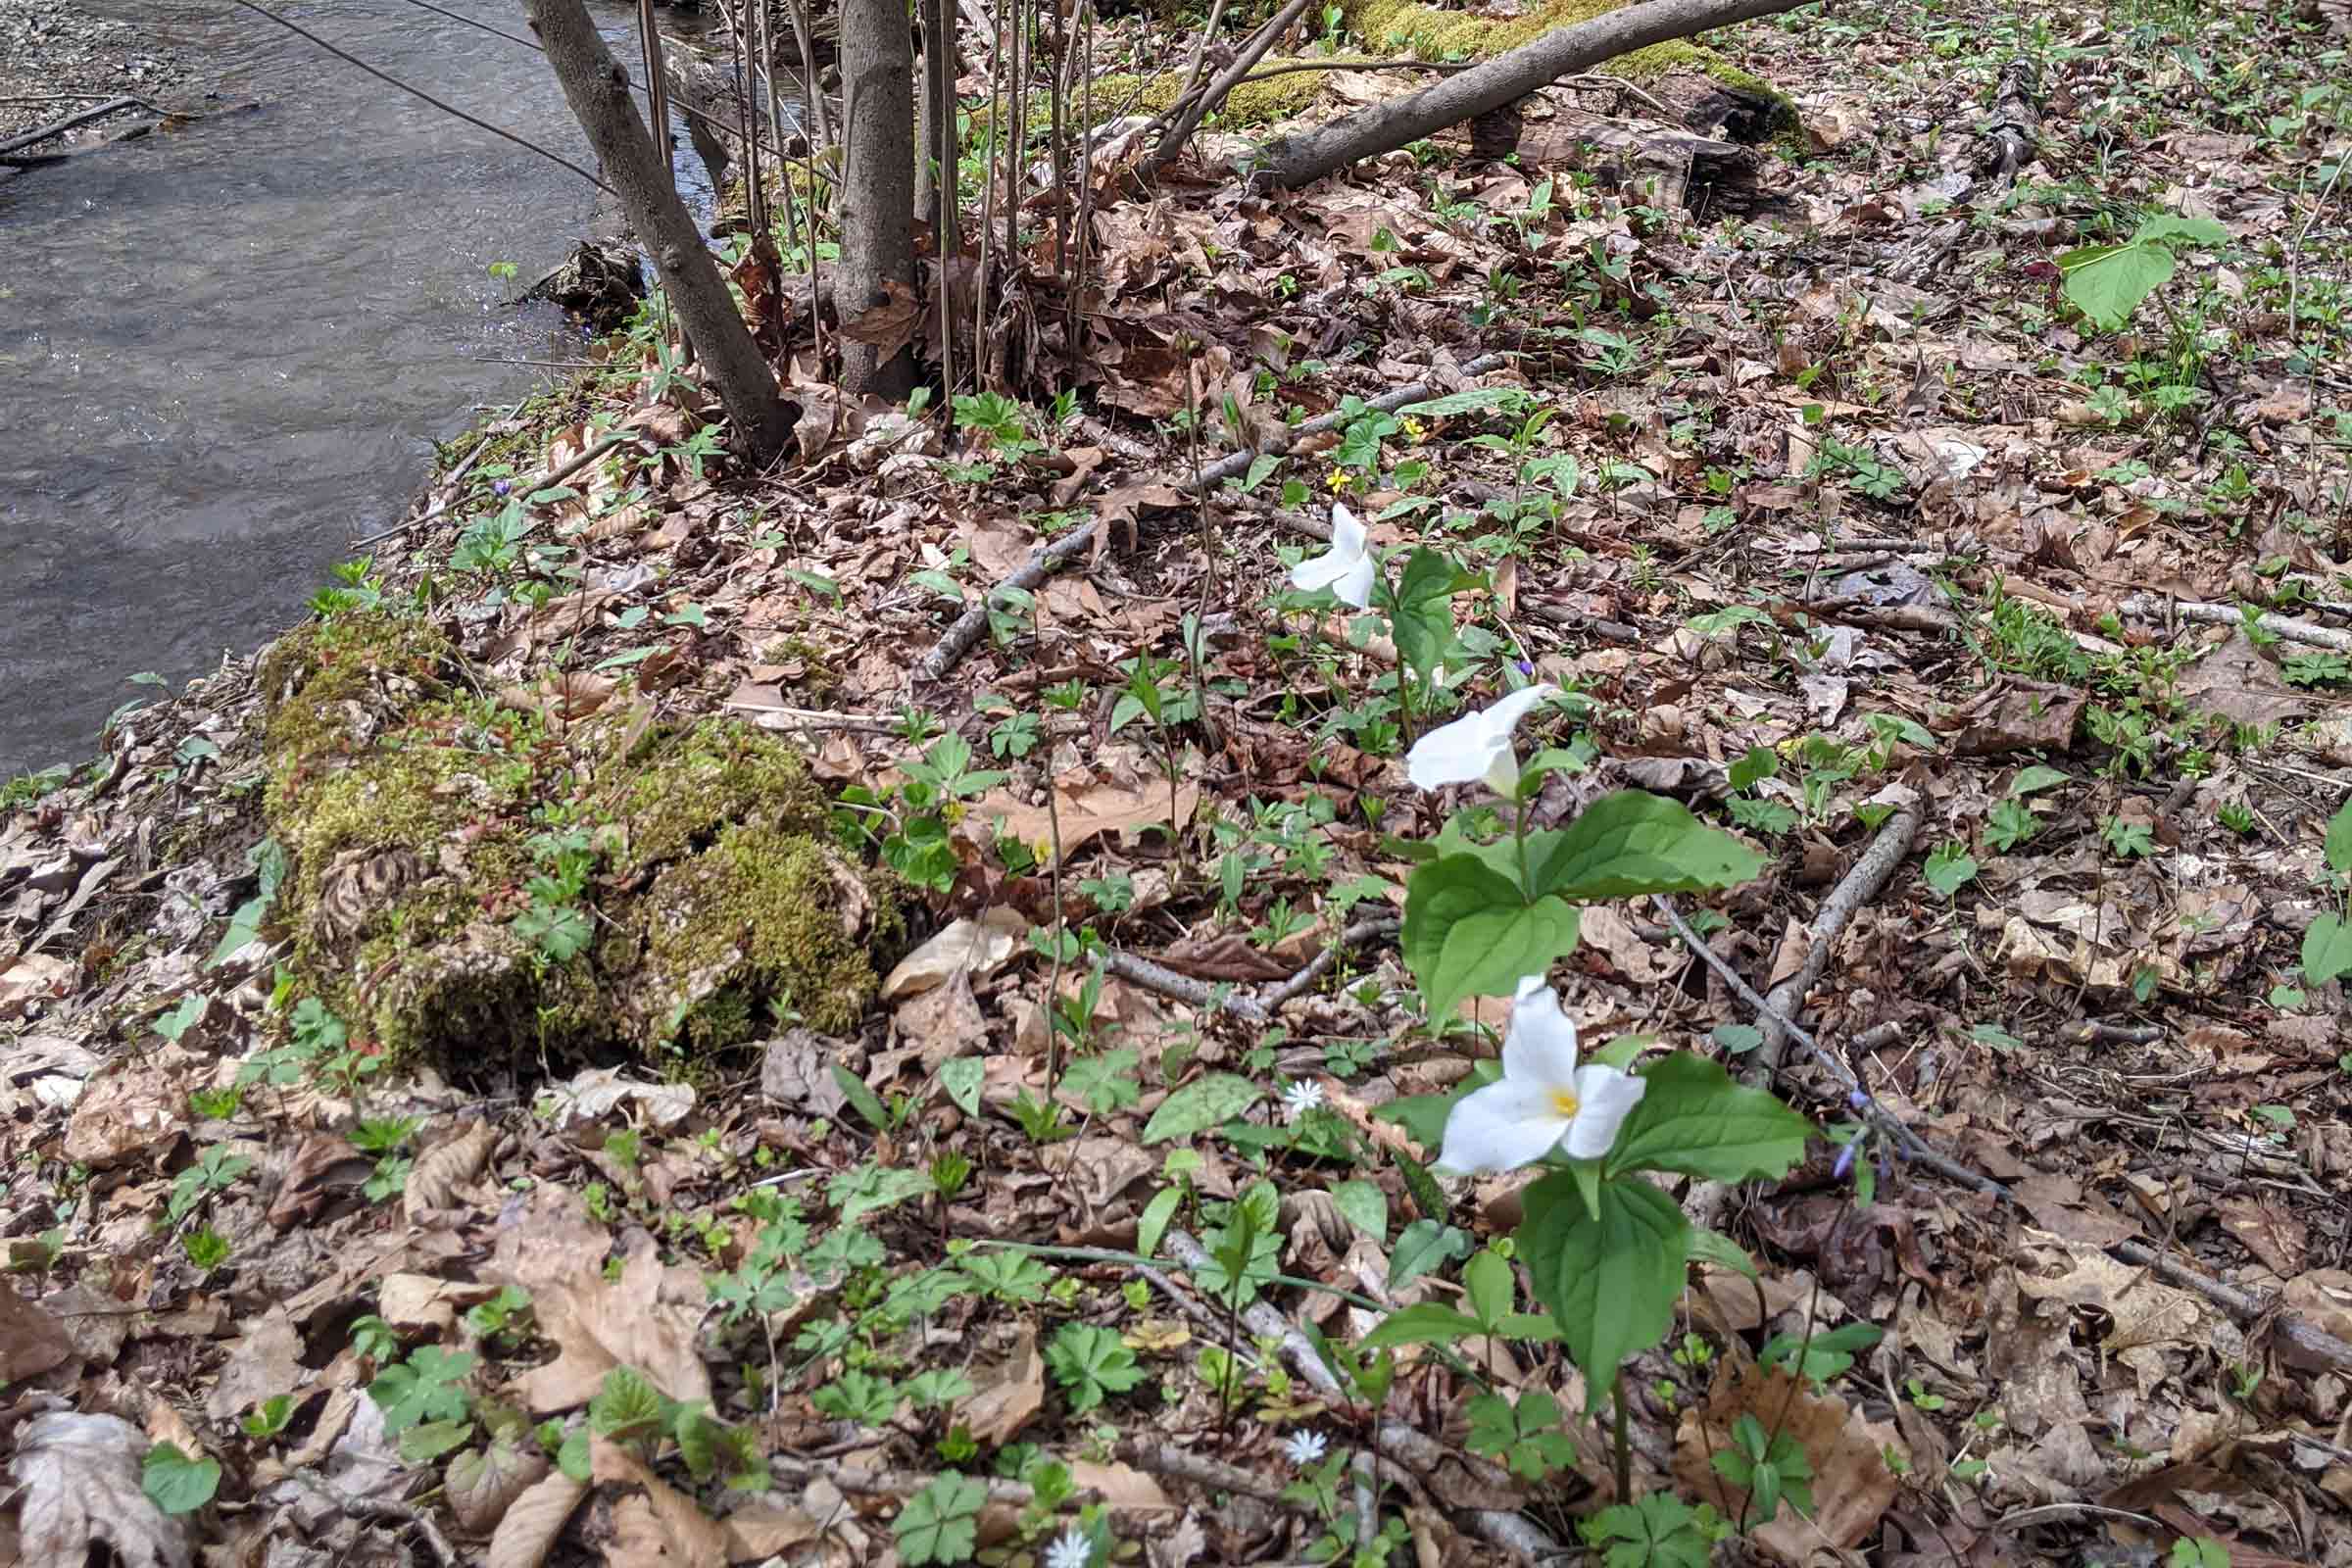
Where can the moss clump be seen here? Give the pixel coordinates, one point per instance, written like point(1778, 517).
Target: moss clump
point(433, 832)
point(752, 917)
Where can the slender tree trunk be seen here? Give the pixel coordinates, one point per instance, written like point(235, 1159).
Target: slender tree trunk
point(877, 207)
point(1465, 95)
point(598, 89)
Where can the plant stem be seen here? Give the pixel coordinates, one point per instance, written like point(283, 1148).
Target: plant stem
point(1625, 1452)
point(1519, 834)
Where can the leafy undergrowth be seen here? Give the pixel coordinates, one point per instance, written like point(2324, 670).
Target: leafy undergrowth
point(1943, 579)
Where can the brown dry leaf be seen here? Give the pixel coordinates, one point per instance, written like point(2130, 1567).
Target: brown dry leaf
point(81, 1477)
point(324, 1170)
point(266, 1360)
point(763, 1531)
point(439, 1171)
point(890, 323)
point(1124, 1487)
point(946, 1021)
point(529, 1529)
point(965, 946)
point(32, 1342)
point(423, 1302)
point(654, 1525)
point(2060, 1206)
point(2268, 1230)
point(997, 1412)
point(1851, 1483)
point(2235, 680)
point(2014, 717)
point(125, 1112)
point(1089, 807)
point(598, 1324)
point(29, 979)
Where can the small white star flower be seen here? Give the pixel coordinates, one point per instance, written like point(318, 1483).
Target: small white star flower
point(1070, 1549)
point(1304, 1447)
point(1543, 1099)
point(1346, 568)
point(1476, 746)
point(1299, 1099)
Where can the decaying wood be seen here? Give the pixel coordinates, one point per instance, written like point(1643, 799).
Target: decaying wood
point(58, 128)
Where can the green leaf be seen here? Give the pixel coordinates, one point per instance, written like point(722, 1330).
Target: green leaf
point(2166, 229)
point(2107, 283)
point(431, 1385)
point(962, 1078)
point(1489, 1287)
point(2326, 949)
point(1427, 1245)
point(175, 1483)
point(1693, 1121)
point(2037, 779)
point(422, 1445)
point(1949, 868)
point(864, 1189)
point(937, 1525)
point(1422, 1323)
point(1713, 1247)
point(1421, 617)
point(1154, 1223)
point(1090, 1361)
point(861, 1098)
point(2340, 839)
point(1472, 400)
point(1468, 933)
point(1201, 1104)
point(1611, 1279)
point(1633, 842)
point(1364, 1206)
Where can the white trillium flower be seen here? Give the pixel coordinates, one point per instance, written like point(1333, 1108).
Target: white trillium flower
point(1346, 568)
point(1070, 1549)
point(1543, 1099)
point(1476, 746)
point(1299, 1099)
point(1304, 1447)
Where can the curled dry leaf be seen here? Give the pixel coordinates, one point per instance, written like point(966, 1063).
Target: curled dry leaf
point(654, 1524)
point(32, 1342)
point(1851, 1483)
point(484, 1485)
point(598, 1324)
point(439, 1171)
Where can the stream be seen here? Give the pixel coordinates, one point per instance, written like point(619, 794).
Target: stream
point(226, 349)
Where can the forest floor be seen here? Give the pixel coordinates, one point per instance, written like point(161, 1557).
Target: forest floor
point(2004, 609)
point(57, 57)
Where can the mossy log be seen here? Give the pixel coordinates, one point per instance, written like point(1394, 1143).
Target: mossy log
point(1561, 39)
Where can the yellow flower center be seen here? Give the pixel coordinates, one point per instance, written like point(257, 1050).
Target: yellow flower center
point(1564, 1103)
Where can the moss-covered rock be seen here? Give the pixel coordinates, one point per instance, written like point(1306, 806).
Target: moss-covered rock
point(471, 887)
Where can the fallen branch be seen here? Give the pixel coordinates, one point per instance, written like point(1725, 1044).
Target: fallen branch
point(965, 630)
point(1188, 110)
point(1310, 155)
point(58, 128)
point(1184, 988)
point(2155, 606)
point(1858, 887)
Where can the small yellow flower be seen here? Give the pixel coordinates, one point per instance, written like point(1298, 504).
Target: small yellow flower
point(1413, 429)
point(1339, 479)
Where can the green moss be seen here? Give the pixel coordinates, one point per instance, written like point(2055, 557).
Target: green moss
point(414, 812)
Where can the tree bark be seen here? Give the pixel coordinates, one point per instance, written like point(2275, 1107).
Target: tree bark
point(598, 89)
point(1564, 51)
point(877, 206)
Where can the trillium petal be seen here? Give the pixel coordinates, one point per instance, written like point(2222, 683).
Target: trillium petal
point(1354, 585)
point(1476, 746)
point(1604, 1098)
point(1500, 1127)
point(1539, 1051)
point(1347, 536)
point(1319, 572)
point(1345, 567)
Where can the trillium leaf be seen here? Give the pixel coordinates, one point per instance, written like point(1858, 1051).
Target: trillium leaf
point(1363, 1205)
point(1467, 932)
point(1693, 1121)
point(1609, 1278)
point(1633, 842)
point(2107, 283)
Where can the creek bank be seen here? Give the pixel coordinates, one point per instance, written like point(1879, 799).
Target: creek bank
point(55, 52)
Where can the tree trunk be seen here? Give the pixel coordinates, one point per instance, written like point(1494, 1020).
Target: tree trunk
point(598, 89)
point(1465, 95)
point(877, 199)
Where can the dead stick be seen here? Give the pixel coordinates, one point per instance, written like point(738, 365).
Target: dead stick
point(2152, 607)
point(959, 638)
point(1859, 886)
point(58, 128)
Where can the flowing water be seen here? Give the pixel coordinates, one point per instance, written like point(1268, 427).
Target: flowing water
point(223, 350)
